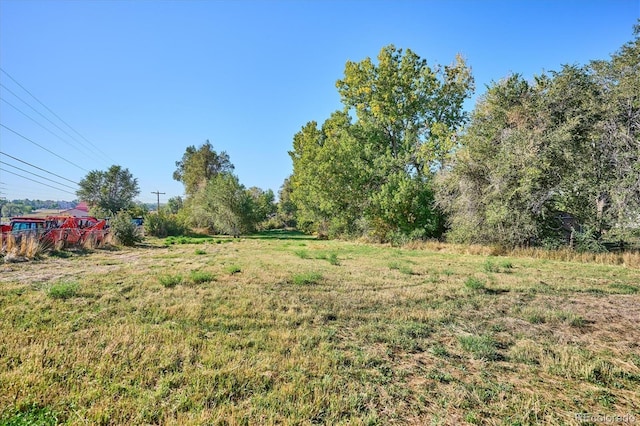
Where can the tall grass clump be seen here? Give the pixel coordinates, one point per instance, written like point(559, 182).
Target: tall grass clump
point(22, 248)
point(307, 278)
point(473, 283)
point(200, 277)
point(170, 281)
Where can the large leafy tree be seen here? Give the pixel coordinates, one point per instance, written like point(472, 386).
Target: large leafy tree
point(199, 165)
point(374, 175)
point(111, 191)
point(566, 142)
point(224, 206)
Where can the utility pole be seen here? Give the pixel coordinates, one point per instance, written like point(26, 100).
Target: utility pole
point(158, 194)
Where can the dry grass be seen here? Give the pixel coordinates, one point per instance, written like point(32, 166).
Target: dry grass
point(293, 339)
point(20, 249)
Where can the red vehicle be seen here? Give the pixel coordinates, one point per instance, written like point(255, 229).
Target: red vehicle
point(74, 230)
point(58, 230)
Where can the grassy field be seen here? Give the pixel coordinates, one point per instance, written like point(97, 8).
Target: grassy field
point(284, 329)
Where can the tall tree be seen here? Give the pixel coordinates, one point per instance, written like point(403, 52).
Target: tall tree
point(374, 175)
point(200, 165)
point(112, 190)
point(567, 142)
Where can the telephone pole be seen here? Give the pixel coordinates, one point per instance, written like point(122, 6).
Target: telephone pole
point(158, 194)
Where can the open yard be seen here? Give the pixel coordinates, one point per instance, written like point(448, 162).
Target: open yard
point(299, 331)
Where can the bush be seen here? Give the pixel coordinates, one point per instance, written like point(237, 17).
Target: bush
point(163, 225)
point(124, 230)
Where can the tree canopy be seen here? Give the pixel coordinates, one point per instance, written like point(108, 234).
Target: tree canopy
point(564, 145)
point(111, 191)
point(200, 165)
point(373, 175)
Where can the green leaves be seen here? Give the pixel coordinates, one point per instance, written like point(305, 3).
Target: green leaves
point(111, 191)
point(373, 175)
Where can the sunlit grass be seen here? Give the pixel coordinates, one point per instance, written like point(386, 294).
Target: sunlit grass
point(253, 333)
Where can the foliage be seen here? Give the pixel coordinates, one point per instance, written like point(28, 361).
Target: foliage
point(174, 204)
point(225, 206)
point(112, 191)
point(287, 209)
point(372, 176)
point(124, 230)
point(200, 165)
point(540, 158)
point(163, 224)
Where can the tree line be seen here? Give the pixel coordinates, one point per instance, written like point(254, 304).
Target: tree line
point(551, 161)
point(546, 162)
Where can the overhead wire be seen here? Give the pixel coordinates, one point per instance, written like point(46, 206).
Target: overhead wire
point(36, 167)
point(44, 127)
point(35, 174)
point(55, 115)
point(42, 147)
point(38, 182)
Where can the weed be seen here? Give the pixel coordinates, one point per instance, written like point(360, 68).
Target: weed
point(473, 283)
point(333, 259)
point(481, 347)
point(63, 290)
point(233, 269)
point(28, 415)
point(302, 254)
point(624, 288)
point(489, 266)
point(307, 278)
point(170, 281)
point(200, 277)
point(200, 252)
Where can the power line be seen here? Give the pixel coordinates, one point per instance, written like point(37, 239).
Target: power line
point(45, 128)
point(41, 177)
point(40, 146)
point(39, 168)
point(54, 114)
point(40, 183)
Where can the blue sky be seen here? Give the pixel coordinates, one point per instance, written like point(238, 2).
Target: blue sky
point(139, 81)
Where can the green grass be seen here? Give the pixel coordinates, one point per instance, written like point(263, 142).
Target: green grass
point(170, 281)
point(200, 277)
point(63, 290)
point(307, 278)
point(258, 335)
point(233, 269)
point(473, 283)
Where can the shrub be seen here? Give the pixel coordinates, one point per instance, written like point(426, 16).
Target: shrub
point(163, 225)
point(125, 231)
